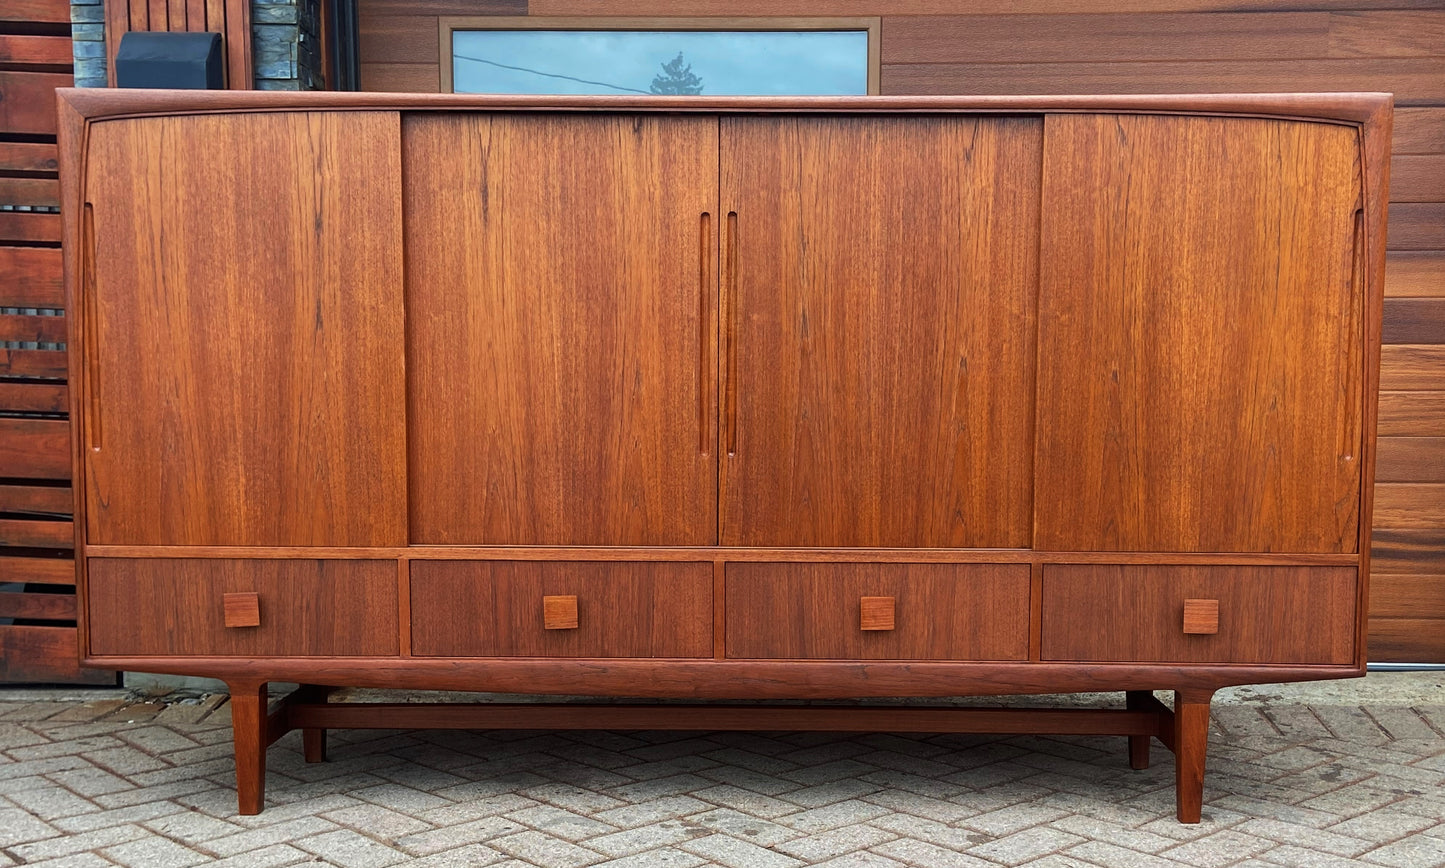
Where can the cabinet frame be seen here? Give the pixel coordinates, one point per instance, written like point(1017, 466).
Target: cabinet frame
point(1182, 730)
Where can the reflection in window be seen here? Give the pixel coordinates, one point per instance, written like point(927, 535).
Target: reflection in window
point(710, 62)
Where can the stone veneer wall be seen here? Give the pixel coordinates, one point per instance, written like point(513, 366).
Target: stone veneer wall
point(285, 43)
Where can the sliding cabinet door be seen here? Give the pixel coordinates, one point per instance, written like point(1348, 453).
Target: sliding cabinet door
point(1200, 336)
point(879, 280)
point(244, 321)
point(561, 298)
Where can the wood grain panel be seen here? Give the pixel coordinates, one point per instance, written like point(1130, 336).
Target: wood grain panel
point(1408, 551)
point(941, 611)
point(1417, 178)
point(1410, 459)
point(1379, 34)
point(408, 39)
point(27, 101)
point(1419, 131)
point(1412, 413)
point(928, 7)
point(401, 77)
point(624, 609)
point(39, 50)
point(28, 227)
point(248, 331)
point(1415, 274)
point(560, 299)
point(38, 607)
point(36, 499)
point(240, 71)
point(46, 11)
point(880, 387)
point(1407, 596)
point(28, 156)
point(31, 277)
point(1406, 640)
point(36, 397)
point(1134, 613)
point(1413, 80)
point(34, 448)
point(1198, 391)
point(38, 570)
point(1105, 38)
point(1414, 321)
point(21, 533)
point(1418, 506)
point(385, 8)
point(46, 654)
point(1412, 368)
point(175, 607)
point(30, 191)
point(42, 329)
point(1417, 225)
point(32, 363)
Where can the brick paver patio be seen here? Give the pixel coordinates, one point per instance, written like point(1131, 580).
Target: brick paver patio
point(1350, 774)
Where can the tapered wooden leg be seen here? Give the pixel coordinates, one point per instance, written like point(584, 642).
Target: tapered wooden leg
point(313, 741)
point(1191, 743)
point(1138, 700)
point(248, 726)
point(313, 745)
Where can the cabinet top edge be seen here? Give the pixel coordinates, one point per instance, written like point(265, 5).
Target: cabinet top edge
point(101, 103)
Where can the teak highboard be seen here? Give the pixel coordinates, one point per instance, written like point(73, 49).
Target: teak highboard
point(725, 398)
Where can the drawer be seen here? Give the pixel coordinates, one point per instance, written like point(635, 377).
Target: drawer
point(878, 611)
point(1235, 614)
point(180, 606)
point(561, 609)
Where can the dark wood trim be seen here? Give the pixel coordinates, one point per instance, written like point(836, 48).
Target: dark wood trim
point(728, 679)
point(365, 715)
point(41, 571)
point(1353, 108)
point(1375, 139)
point(40, 607)
point(731, 555)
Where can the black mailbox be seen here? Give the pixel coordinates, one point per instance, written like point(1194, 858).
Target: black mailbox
point(189, 61)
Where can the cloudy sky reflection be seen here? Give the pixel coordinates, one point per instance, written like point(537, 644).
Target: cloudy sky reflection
point(621, 61)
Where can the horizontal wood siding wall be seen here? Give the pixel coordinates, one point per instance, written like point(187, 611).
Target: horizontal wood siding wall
point(1163, 46)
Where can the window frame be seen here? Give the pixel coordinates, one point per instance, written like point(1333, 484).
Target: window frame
point(447, 25)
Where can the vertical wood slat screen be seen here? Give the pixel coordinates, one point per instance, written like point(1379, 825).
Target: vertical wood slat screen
point(38, 641)
point(230, 18)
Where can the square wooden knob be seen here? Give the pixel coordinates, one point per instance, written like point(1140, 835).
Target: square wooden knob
point(876, 613)
point(559, 613)
point(242, 610)
point(1201, 617)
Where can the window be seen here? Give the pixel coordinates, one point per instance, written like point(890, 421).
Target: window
point(709, 56)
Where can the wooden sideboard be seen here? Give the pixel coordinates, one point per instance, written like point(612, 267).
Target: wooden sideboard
point(725, 398)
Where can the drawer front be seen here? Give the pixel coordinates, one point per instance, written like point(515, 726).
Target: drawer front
point(878, 611)
point(561, 609)
point(1199, 614)
point(274, 608)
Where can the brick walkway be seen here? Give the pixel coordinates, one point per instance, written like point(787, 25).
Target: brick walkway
point(1295, 779)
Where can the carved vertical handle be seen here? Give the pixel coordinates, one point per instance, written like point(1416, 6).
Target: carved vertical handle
point(730, 279)
point(704, 319)
point(91, 326)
